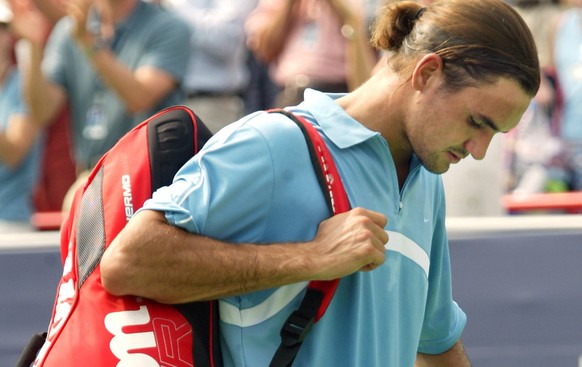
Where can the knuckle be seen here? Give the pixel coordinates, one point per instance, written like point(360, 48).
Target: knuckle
point(362, 221)
point(364, 236)
point(358, 211)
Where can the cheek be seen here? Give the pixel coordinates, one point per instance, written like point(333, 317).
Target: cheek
point(436, 127)
point(426, 140)
point(437, 130)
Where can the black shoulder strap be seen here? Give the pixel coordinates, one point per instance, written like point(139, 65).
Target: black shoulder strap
point(174, 135)
point(319, 293)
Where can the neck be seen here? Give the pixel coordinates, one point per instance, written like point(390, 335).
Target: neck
point(379, 105)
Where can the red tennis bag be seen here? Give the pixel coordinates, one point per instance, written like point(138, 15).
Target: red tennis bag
point(90, 327)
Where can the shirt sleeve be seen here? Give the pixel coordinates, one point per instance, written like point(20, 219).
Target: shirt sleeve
point(16, 101)
point(444, 320)
point(225, 190)
point(215, 29)
point(168, 47)
point(56, 52)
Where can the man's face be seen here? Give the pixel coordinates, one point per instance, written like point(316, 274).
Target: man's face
point(446, 126)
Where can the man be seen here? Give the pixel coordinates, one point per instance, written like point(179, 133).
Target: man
point(565, 59)
point(319, 44)
point(217, 74)
point(115, 61)
point(253, 221)
point(20, 145)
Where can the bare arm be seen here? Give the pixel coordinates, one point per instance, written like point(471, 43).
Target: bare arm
point(16, 141)
point(267, 30)
point(140, 89)
point(153, 259)
point(360, 57)
point(454, 357)
point(44, 98)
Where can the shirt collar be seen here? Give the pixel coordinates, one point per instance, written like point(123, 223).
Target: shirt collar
point(334, 121)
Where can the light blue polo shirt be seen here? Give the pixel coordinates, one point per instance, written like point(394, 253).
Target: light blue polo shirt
point(254, 182)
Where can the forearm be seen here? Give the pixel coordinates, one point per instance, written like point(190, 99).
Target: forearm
point(44, 98)
point(175, 266)
point(360, 58)
point(139, 89)
point(17, 140)
point(8, 157)
point(454, 357)
point(153, 259)
point(268, 38)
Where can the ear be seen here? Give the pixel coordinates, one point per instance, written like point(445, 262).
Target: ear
point(428, 70)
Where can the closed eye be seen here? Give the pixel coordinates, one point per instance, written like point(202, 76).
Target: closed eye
point(476, 124)
point(483, 122)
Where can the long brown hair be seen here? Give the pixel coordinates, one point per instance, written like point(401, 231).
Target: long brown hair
point(478, 40)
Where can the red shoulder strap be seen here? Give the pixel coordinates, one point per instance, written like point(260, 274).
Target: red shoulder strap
point(319, 293)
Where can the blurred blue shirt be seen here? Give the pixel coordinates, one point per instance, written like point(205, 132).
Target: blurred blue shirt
point(218, 61)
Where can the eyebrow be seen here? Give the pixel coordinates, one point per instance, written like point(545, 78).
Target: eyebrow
point(490, 123)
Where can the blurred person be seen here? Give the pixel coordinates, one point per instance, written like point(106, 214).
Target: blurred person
point(539, 15)
point(245, 221)
point(116, 62)
point(57, 172)
point(566, 60)
point(217, 72)
point(320, 44)
point(530, 150)
point(20, 142)
point(261, 91)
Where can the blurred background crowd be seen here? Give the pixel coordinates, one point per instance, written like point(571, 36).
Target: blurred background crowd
point(75, 75)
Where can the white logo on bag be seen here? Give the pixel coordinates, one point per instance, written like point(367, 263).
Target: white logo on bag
point(122, 343)
point(127, 197)
point(65, 298)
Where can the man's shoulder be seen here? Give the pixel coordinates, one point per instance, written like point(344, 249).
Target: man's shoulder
point(274, 126)
point(154, 24)
point(158, 16)
point(273, 132)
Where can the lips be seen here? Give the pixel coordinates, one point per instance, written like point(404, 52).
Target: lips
point(454, 157)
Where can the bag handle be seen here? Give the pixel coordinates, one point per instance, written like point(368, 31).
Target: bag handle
point(319, 293)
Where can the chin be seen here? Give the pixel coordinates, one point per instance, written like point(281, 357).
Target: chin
point(439, 171)
point(436, 167)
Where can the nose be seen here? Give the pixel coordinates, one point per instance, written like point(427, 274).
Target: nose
point(478, 144)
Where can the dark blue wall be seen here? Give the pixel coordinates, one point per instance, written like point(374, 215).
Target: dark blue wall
point(523, 297)
point(28, 284)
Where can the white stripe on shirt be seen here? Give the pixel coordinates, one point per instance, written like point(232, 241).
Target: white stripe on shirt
point(269, 307)
point(273, 304)
point(405, 246)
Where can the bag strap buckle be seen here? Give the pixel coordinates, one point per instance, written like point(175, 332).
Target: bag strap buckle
point(296, 328)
